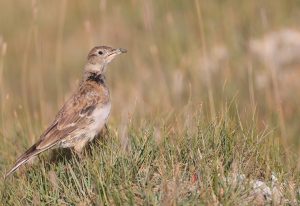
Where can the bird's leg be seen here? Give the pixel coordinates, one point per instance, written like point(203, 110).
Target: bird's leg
point(78, 154)
point(105, 131)
point(78, 148)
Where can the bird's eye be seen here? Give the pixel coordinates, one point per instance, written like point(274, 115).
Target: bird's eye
point(100, 52)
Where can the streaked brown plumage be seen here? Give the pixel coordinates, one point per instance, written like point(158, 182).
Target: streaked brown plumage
point(84, 114)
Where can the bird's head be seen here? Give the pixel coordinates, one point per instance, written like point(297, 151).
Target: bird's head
point(100, 56)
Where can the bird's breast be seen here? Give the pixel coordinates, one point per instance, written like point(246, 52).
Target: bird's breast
point(100, 116)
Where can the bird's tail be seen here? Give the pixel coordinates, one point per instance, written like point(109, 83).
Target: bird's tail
point(30, 153)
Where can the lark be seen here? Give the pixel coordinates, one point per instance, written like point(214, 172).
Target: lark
point(84, 114)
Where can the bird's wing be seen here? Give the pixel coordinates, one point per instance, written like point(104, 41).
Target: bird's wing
point(73, 117)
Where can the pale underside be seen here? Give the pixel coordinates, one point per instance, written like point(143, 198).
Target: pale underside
point(78, 139)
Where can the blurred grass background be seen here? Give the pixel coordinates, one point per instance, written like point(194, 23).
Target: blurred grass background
point(185, 58)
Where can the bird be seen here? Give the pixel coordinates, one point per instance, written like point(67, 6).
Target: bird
point(83, 115)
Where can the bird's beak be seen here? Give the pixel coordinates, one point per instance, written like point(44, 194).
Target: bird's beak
point(114, 53)
point(118, 51)
point(122, 50)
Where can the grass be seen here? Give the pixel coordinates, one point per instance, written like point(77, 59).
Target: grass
point(189, 119)
point(158, 166)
